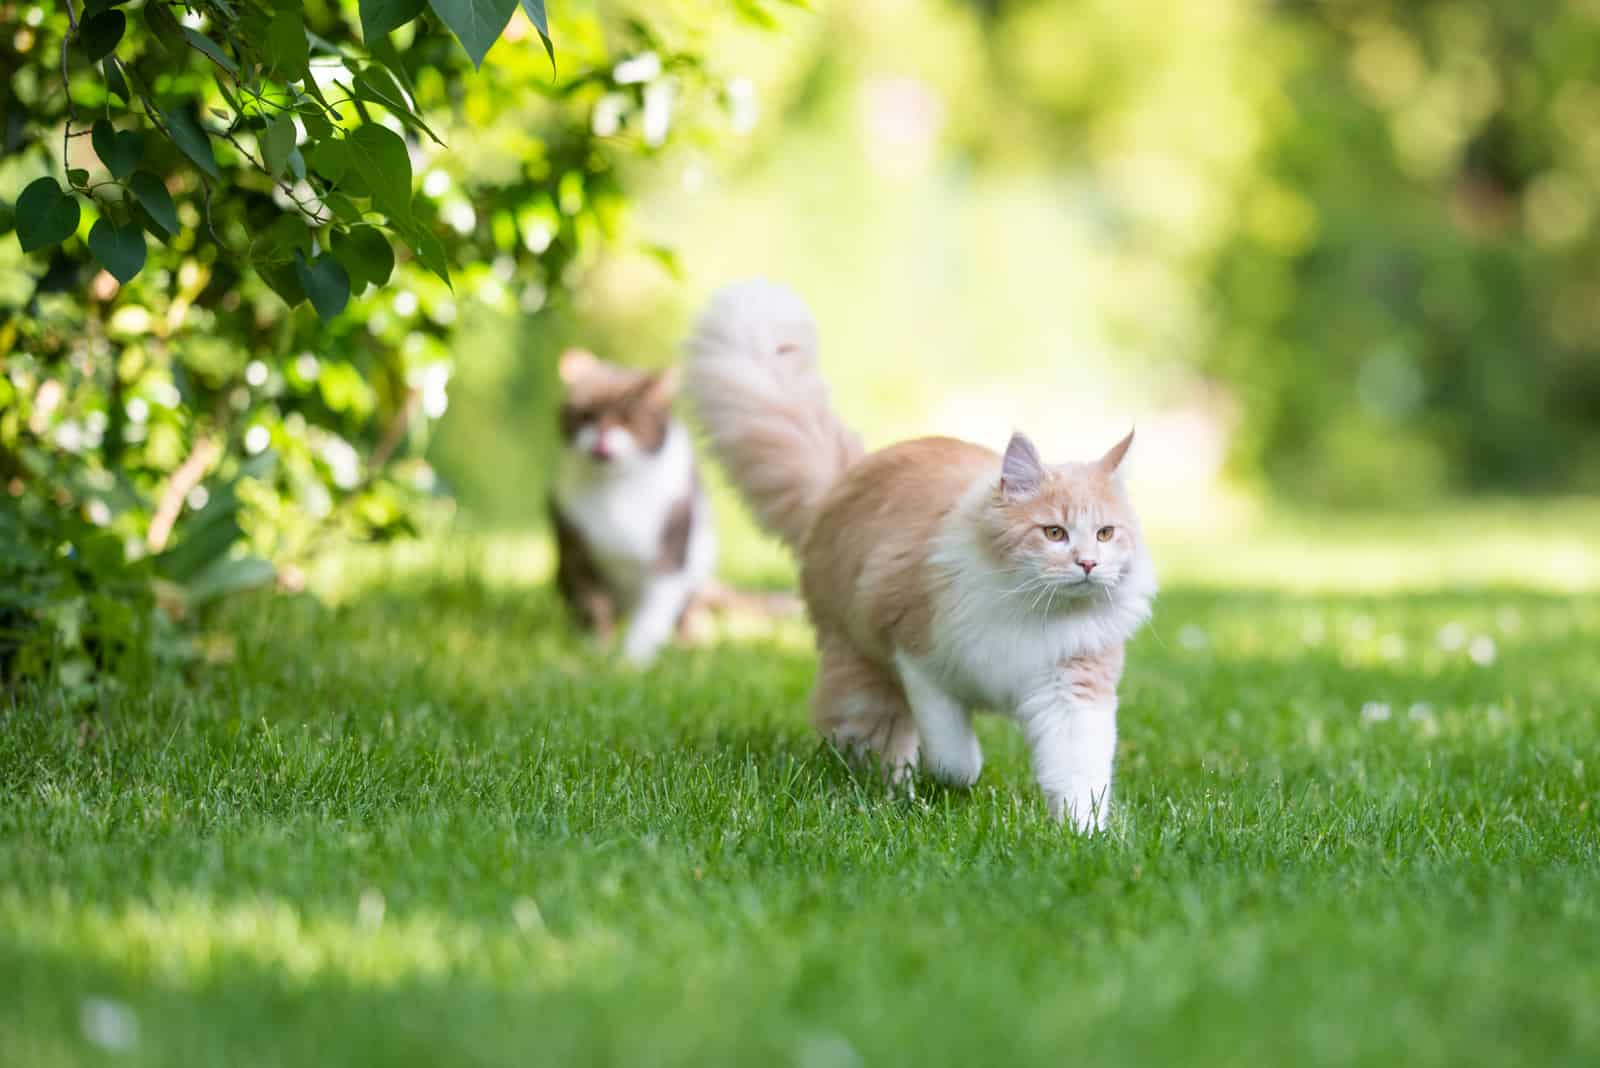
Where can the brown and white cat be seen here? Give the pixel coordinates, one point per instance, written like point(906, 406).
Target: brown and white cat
point(942, 578)
point(633, 526)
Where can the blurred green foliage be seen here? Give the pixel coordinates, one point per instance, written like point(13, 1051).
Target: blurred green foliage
point(1416, 304)
point(240, 238)
point(1359, 235)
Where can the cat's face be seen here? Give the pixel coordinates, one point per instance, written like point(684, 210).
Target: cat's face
point(613, 417)
point(1065, 530)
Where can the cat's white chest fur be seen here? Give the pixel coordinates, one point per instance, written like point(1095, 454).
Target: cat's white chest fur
point(622, 512)
point(989, 644)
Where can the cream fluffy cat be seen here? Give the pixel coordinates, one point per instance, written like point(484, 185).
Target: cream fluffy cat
point(942, 578)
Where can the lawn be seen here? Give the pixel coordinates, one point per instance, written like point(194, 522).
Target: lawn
point(416, 822)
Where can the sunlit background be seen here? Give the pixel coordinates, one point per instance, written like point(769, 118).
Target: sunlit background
point(1332, 256)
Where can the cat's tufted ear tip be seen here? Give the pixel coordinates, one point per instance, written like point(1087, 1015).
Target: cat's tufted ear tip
point(667, 381)
point(574, 364)
point(1112, 460)
point(1021, 470)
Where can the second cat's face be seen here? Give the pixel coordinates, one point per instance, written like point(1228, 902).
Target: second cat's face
point(613, 417)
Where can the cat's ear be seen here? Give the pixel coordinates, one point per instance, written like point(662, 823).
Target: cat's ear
point(575, 365)
point(1022, 471)
point(1112, 460)
point(658, 389)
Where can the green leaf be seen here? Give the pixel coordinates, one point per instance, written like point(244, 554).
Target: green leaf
point(316, 123)
point(535, 10)
point(325, 281)
point(379, 17)
point(200, 41)
point(118, 150)
point(330, 158)
point(380, 158)
point(273, 253)
point(377, 85)
point(366, 254)
point(153, 197)
point(190, 137)
point(45, 215)
point(286, 49)
point(164, 28)
point(101, 32)
point(477, 24)
point(115, 83)
point(430, 252)
point(77, 177)
point(120, 249)
point(277, 142)
point(344, 207)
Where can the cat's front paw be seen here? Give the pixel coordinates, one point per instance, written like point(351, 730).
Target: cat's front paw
point(639, 654)
point(1084, 814)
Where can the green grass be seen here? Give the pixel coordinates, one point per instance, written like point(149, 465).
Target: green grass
point(417, 823)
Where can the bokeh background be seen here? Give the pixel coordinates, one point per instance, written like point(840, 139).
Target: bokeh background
point(1338, 256)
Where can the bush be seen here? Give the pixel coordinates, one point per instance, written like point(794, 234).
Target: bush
point(242, 250)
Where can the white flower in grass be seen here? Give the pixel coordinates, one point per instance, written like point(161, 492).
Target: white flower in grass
point(370, 909)
point(827, 1049)
point(1375, 712)
point(109, 1025)
point(1391, 647)
point(1452, 637)
point(1363, 628)
point(525, 911)
point(1191, 637)
point(1482, 650)
point(1421, 714)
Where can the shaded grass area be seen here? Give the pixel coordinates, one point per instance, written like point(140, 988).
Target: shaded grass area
point(427, 826)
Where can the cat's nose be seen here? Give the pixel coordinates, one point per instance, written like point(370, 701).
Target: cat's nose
point(1088, 565)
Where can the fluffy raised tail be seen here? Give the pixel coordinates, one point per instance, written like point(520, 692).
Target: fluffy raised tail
point(754, 381)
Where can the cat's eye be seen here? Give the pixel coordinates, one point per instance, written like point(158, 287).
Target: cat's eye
point(1055, 533)
point(1106, 533)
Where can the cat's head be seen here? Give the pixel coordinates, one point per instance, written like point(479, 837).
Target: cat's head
point(613, 416)
point(1064, 530)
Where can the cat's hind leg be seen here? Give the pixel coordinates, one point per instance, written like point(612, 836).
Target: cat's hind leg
point(860, 706)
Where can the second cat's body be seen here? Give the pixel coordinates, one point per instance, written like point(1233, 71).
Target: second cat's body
point(633, 526)
point(942, 578)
